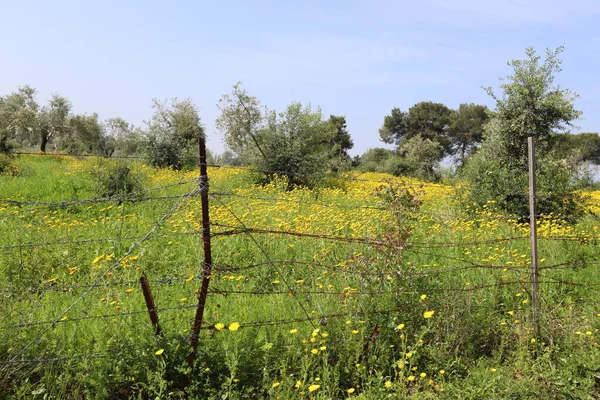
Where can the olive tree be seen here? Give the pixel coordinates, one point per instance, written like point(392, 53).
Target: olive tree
point(531, 104)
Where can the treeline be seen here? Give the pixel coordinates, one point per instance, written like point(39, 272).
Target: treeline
point(301, 143)
point(168, 139)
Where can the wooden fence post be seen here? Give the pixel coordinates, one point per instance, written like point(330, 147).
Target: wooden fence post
point(533, 236)
point(207, 263)
point(150, 304)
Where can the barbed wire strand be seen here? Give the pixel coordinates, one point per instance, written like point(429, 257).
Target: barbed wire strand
point(113, 266)
point(263, 251)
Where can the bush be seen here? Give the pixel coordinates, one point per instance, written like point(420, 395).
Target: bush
point(492, 180)
point(7, 167)
point(116, 180)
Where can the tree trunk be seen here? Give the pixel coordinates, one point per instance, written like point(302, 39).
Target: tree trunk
point(44, 143)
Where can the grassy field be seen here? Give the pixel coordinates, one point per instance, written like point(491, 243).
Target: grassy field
point(346, 291)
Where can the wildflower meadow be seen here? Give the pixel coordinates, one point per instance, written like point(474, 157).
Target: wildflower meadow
point(368, 286)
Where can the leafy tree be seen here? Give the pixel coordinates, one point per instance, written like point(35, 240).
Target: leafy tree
point(229, 158)
point(422, 155)
point(394, 129)
point(531, 105)
point(340, 142)
point(127, 139)
point(297, 143)
point(173, 132)
point(376, 155)
point(384, 160)
point(53, 120)
point(431, 121)
point(466, 129)
point(86, 134)
point(242, 116)
point(579, 148)
point(18, 112)
point(428, 119)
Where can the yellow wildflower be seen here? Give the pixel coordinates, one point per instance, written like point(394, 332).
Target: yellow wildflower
point(312, 388)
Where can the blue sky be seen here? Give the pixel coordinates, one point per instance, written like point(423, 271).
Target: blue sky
point(358, 59)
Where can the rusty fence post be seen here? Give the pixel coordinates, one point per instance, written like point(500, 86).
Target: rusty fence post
point(150, 304)
point(207, 263)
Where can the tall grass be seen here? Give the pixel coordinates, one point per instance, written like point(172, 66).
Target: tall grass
point(442, 313)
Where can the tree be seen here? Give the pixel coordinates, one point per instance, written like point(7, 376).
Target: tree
point(297, 143)
point(580, 148)
point(242, 116)
point(86, 134)
point(466, 129)
point(127, 138)
point(394, 128)
point(53, 120)
point(422, 155)
point(18, 113)
point(340, 142)
point(384, 160)
point(173, 132)
point(530, 105)
point(429, 120)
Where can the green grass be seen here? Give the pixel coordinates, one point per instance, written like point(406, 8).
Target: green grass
point(277, 286)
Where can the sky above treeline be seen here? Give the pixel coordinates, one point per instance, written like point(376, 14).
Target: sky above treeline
point(358, 59)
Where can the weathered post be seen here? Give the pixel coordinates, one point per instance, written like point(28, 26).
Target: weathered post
point(207, 263)
point(533, 236)
point(150, 304)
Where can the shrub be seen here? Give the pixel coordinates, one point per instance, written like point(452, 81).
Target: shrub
point(117, 180)
point(490, 179)
point(7, 167)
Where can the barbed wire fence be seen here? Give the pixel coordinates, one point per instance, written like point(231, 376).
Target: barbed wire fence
point(217, 284)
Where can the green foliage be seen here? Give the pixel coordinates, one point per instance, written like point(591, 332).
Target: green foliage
point(466, 129)
point(422, 155)
point(297, 143)
point(404, 203)
point(124, 138)
point(23, 122)
point(531, 105)
point(429, 131)
point(17, 117)
point(53, 122)
point(373, 159)
point(491, 179)
point(478, 343)
point(117, 179)
point(7, 166)
point(416, 157)
point(242, 116)
point(173, 133)
point(85, 135)
point(579, 148)
point(340, 143)
point(428, 119)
